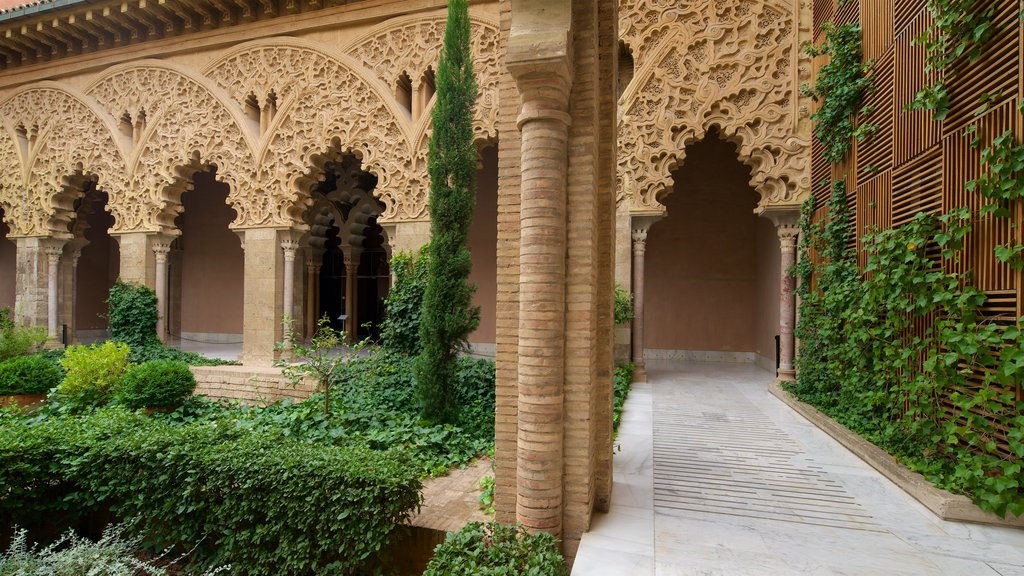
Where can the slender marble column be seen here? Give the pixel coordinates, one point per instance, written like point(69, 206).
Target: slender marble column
point(787, 303)
point(312, 269)
point(74, 294)
point(288, 300)
point(161, 247)
point(53, 253)
point(351, 296)
point(639, 236)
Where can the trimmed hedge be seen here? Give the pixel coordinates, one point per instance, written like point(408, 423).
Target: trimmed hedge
point(495, 549)
point(262, 502)
point(156, 384)
point(28, 375)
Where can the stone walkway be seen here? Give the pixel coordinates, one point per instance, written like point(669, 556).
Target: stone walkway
point(716, 476)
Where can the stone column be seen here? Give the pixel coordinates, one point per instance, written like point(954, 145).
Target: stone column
point(639, 248)
point(788, 233)
point(543, 122)
point(72, 314)
point(312, 276)
point(161, 247)
point(351, 296)
point(288, 301)
point(261, 324)
point(640, 226)
point(53, 253)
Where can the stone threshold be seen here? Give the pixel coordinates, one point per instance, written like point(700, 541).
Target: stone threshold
point(944, 504)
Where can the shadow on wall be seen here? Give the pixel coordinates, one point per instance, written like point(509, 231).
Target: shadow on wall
point(712, 264)
point(8, 268)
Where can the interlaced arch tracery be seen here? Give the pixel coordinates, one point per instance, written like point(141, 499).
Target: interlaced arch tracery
point(143, 128)
point(728, 64)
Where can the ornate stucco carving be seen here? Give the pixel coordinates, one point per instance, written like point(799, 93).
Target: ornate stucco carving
point(143, 129)
point(724, 63)
point(51, 134)
point(188, 127)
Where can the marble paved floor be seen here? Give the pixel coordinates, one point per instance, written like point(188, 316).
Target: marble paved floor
point(716, 476)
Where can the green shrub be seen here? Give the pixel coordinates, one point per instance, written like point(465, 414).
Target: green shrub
point(157, 351)
point(132, 312)
point(623, 305)
point(114, 554)
point(155, 384)
point(93, 373)
point(257, 499)
point(400, 331)
point(623, 382)
point(17, 340)
point(496, 549)
point(28, 375)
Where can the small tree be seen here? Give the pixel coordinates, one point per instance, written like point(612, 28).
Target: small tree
point(448, 314)
point(318, 359)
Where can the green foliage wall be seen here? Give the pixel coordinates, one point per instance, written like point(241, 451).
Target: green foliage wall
point(400, 331)
point(448, 314)
point(132, 312)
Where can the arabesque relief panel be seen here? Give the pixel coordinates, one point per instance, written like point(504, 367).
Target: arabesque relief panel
point(734, 64)
point(264, 113)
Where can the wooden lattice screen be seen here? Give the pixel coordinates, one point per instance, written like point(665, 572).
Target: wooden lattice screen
point(915, 164)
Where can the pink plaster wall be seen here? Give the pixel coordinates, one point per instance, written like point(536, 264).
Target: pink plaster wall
point(7, 266)
point(768, 272)
point(703, 275)
point(483, 245)
point(212, 261)
point(97, 270)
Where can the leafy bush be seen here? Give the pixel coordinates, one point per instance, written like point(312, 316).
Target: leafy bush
point(28, 375)
point(400, 331)
point(623, 381)
point(132, 314)
point(155, 384)
point(205, 486)
point(17, 340)
point(114, 554)
point(623, 305)
point(158, 351)
point(496, 549)
point(93, 373)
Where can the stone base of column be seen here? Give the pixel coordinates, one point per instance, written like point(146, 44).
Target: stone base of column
point(786, 375)
point(639, 373)
point(52, 344)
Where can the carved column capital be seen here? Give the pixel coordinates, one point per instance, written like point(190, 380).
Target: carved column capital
point(788, 234)
point(639, 241)
point(75, 256)
point(290, 247)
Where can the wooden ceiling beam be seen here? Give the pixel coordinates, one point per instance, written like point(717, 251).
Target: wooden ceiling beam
point(171, 22)
point(71, 44)
point(86, 40)
point(190, 19)
point(120, 34)
point(104, 38)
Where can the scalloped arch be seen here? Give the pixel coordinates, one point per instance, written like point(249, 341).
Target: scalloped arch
point(730, 64)
point(191, 123)
point(68, 134)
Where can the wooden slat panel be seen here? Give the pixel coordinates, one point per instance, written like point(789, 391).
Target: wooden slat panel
point(917, 187)
point(876, 21)
point(915, 131)
point(963, 163)
point(995, 73)
point(874, 208)
point(847, 12)
point(904, 11)
point(823, 10)
point(874, 154)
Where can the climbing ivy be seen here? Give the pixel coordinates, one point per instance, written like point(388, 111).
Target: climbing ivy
point(839, 88)
point(957, 28)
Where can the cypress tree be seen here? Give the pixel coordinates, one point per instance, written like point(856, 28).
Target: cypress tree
point(448, 314)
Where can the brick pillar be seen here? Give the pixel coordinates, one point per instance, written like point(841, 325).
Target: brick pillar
point(161, 247)
point(544, 126)
point(138, 262)
point(787, 301)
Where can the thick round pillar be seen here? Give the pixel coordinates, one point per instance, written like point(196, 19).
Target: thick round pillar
point(544, 124)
